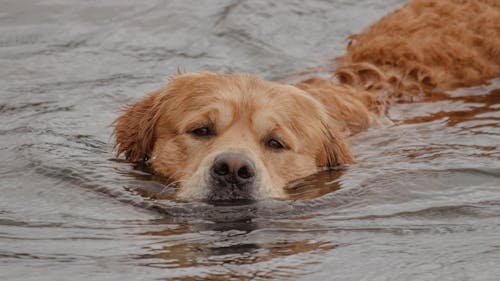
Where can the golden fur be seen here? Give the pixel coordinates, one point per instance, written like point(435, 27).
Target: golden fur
point(424, 46)
point(245, 112)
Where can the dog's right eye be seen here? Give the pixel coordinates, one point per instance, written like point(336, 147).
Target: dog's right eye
point(202, 132)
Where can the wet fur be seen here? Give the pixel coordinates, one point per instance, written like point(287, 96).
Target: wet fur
point(423, 47)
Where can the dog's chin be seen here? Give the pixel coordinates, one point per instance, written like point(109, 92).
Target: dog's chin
point(230, 194)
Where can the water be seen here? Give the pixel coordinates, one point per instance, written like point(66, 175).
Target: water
point(422, 204)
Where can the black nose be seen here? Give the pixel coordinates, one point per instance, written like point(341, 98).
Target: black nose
point(233, 168)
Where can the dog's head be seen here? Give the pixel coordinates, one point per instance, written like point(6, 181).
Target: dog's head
point(230, 136)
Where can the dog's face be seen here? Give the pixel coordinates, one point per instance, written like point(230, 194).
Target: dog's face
point(230, 136)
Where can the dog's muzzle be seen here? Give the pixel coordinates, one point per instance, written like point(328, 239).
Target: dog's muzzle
point(232, 177)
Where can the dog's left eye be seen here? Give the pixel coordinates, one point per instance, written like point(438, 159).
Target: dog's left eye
point(202, 132)
point(274, 144)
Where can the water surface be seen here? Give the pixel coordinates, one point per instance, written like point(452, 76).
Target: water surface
point(422, 204)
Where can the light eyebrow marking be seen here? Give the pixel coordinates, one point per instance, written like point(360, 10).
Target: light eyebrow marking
point(218, 115)
point(267, 125)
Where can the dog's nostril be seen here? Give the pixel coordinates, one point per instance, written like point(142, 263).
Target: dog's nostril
point(233, 168)
point(245, 172)
point(221, 169)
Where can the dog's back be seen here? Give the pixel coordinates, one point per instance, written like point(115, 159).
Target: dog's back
point(424, 46)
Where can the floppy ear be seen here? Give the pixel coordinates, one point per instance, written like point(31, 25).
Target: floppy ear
point(134, 129)
point(334, 150)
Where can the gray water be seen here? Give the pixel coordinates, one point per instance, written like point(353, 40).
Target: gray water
point(422, 204)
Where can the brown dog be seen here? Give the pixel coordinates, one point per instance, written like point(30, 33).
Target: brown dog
point(237, 136)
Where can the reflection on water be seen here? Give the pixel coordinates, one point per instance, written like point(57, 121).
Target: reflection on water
point(423, 202)
point(460, 109)
point(222, 247)
point(315, 185)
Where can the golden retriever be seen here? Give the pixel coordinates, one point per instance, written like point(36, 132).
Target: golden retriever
point(237, 136)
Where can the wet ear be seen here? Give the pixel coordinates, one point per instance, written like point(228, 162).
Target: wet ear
point(134, 129)
point(334, 149)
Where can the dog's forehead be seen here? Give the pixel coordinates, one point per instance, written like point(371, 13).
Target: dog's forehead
point(241, 96)
point(255, 94)
point(242, 90)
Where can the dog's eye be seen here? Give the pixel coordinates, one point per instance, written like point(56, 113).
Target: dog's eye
point(202, 132)
point(274, 144)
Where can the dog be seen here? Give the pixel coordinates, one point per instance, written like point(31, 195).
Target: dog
point(239, 137)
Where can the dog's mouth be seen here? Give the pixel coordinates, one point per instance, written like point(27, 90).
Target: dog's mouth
point(232, 202)
point(231, 194)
